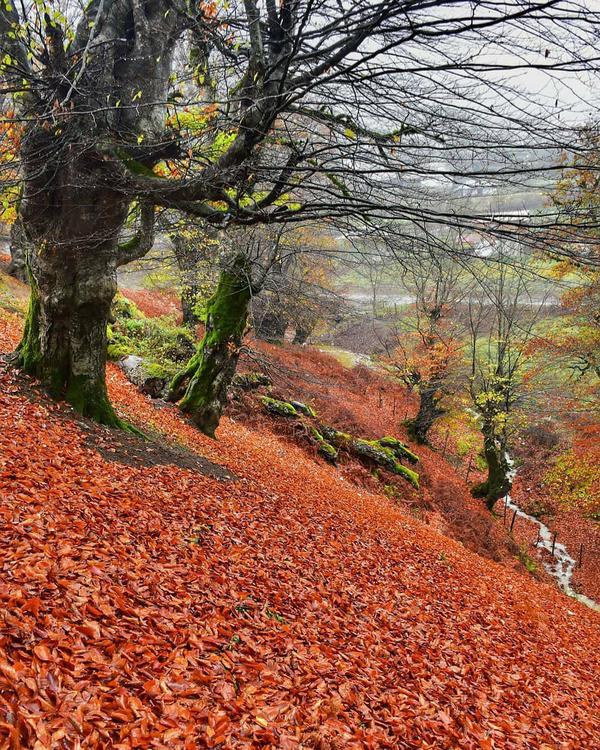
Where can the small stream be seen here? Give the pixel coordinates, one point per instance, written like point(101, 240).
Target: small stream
point(562, 565)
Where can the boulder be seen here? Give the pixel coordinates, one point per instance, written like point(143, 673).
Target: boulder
point(143, 374)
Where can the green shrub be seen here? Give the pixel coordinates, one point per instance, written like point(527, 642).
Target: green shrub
point(163, 345)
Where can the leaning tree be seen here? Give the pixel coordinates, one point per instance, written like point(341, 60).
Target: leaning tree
point(252, 112)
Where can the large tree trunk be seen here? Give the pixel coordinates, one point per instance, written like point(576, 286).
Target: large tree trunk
point(64, 341)
point(73, 226)
point(429, 411)
point(210, 371)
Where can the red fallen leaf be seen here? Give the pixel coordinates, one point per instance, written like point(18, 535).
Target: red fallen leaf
point(9, 671)
point(152, 687)
point(221, 723)
point(227, 691)
point(171, 734)
point(13, 732)
point(90, 627)
point(42, 652)
point(32, 605)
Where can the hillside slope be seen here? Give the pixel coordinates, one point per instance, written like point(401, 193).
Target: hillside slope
point(156, 606)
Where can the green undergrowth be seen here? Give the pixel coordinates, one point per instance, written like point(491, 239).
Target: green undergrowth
point(526, 559)
point(160, 342)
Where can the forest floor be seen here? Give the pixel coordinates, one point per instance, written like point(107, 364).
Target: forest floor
point(272, 602)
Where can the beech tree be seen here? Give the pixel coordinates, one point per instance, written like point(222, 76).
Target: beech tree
point(296, 111)
point(297, 291)
point(248, 254)
point(502, 323)
point(426, 344)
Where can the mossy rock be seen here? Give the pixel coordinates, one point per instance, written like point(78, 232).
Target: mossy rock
point(398, 448)
point(335, 437)
point(373, 452)
point(250, 381)
point(279, 408)
point(408, 474)
point(303, 408)
point(325, 449)
point(150, 377)
point(117, 351)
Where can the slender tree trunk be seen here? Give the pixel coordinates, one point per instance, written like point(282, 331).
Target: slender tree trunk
point(188, 258)
point(190, 298)
point(210, 371)
point(270, 326)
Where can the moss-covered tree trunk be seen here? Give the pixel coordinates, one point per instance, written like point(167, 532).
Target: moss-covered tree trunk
point(64, 340)
point(210, 371)
point(498, 482)
point(72, 227)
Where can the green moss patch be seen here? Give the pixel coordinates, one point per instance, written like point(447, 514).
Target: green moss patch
point(398, 449)
point(250, 381)
point(162, 344)
point(324, 449)
point(279, 408)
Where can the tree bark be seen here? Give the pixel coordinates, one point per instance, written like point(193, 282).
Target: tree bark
point(188, 258)
point(497, 483)
point(210, 371)
point(72, 220)
point(18, 251)
point(429, 411)
point(64, 341)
